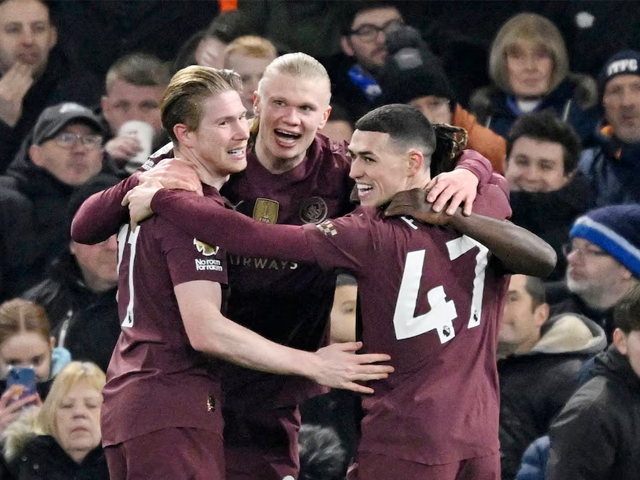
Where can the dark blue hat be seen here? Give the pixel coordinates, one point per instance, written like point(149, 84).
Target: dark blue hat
point(626, 62)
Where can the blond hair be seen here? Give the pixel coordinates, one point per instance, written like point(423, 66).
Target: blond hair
point(299, 65)
point(532, 28)
point(69, 376)
point(19, 315)
point(251, 46)
point(188, 89)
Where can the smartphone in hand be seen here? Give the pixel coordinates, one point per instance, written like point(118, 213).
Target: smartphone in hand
point(24, 377)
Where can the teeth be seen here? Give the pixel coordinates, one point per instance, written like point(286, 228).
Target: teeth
point(287, 134)
point(364, 188)
point(237, 151)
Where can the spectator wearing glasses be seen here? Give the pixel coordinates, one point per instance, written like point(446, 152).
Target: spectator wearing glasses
point(63, 152)
point(364, 31)
point(603, 263)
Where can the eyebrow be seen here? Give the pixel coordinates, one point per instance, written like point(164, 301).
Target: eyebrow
point(361, 153)
point(229, 118)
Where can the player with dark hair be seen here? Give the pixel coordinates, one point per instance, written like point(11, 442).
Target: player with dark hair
point(163, 394)
point(294, 176)
point(414, 280)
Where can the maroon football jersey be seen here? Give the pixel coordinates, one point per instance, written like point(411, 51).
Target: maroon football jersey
point(156, 379)
point(287, 302)
point(431, 299)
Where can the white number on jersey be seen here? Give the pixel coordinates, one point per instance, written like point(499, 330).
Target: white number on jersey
point(442, 313)
point(123, 238)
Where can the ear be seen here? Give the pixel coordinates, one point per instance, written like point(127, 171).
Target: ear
point(620, 341)
point(256, 104)
point(346, 46)
point(416, 161)
point(182, 133)
point(541, 314)
point(53, 37)
point(325, 117)
point(626, 273)
point(105, 104)
point(35, 153)
point(52, 342)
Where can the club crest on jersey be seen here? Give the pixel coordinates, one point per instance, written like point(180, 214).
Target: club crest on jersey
point(327, 228)
point(313, 210)
point(266, 210)
point(204, 249)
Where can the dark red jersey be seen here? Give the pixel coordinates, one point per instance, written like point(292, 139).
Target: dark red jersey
point(431, 299)
point(428, 297)
point(287, 302)
point(156, 379)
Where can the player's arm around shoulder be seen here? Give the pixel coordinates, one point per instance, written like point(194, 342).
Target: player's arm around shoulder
point(101, 215)
point(519, 250)
point(210, 332)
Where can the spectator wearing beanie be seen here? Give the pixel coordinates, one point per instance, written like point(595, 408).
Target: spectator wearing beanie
point(613, 166)
point(603, 263)
point(529, 68)
point(413, 75)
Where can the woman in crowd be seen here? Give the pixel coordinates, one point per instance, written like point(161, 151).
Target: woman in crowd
point(25, 341)
point(61, 439)
point(529, 66)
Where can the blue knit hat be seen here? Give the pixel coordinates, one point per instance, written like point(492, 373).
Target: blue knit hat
point(616, 230)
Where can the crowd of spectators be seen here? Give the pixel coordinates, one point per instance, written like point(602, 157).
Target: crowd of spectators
point(548, 92)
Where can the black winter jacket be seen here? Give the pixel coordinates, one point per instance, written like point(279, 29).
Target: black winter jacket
point(43, 458)
point(595, 437)
point(534, 386)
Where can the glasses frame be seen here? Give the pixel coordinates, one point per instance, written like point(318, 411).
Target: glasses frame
point(93, 141)
point(372, 31)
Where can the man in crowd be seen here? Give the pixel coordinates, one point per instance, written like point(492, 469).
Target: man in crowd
point(595, 436)
point(614, 165)
point(293, 176)
point(134, 87)
point(538, 363)
point(64, 153)
point(33, 76)
point(249, 56)
point(170, 298)
point(603, 263)
point(391, 151)
point(548, 192)
point(364, 29)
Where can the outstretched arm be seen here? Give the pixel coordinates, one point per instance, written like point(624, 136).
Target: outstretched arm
point(101, 215)
point(519, 250)
point(210, 332)
point(203, 218)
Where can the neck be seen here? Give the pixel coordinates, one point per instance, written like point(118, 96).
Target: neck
point(506, 349)
point(206, 173)
point(78, 455)
point(420, 180)
point(98, 284)
point(273, 164)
